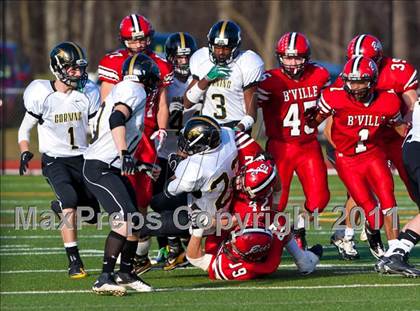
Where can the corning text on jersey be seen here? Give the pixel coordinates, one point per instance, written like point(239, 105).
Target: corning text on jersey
point(222, 83)
point(301, 93)
point(364, 120)
point(67, 117)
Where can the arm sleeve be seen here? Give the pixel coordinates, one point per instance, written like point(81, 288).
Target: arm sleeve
point(253, 71)
point(94, 101)
point(324, 108)
point(27, 124)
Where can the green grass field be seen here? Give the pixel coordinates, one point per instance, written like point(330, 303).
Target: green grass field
point(34, 275)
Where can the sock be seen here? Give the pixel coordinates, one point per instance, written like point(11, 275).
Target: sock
point(301, 222)
point(392, 243)
point(127, 256)
point(113, 245)
point(294, 250)
point(143, 247)
point(72, 252)
point(348, 233)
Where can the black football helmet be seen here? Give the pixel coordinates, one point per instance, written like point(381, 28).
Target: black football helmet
point(180, 44)
point(64, 56)
point(141, 68)
point(200, 134)
point(224, 33)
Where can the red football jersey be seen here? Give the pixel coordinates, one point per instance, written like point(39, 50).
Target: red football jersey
point(284, 100)
point(224, 267)
point(110, 70)
point(356, 126)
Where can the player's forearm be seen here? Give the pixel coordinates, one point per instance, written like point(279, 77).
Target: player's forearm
point(194, 247)
point(194, 92)
point(118, 135)
point(163, 112)
point(106, 88)
point(409, 98)
point(327, 131)
point(401, 129)
point(24, 146)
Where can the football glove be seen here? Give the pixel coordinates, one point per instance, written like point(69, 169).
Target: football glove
point(159, 136)
point(128, 165)
point(218, 72)
point(310, 116)
point(175, 106)
point(173, 161)
point(25, 157)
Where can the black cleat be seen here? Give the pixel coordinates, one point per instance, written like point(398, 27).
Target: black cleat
point(106, 285)
point(395, 264)
point(317, 249)
point(376, 246)
point(76, 270)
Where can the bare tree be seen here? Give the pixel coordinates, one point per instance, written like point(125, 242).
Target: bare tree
point(400, 46)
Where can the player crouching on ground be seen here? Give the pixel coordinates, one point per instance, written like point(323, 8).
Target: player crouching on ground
point(255, 250)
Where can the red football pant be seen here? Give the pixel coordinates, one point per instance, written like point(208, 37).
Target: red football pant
point(365, 175)
point(393, 153)
point(308, 163)
point(143, 184)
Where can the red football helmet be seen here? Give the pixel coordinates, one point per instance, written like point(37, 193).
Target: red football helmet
point(252, 243)
point(360, 69)
point(135, 27)
point(367, 46)
point(257, 179)
point(293, 44)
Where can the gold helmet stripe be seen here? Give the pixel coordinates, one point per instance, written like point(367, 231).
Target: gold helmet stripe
point(78, 50)
point(182, 38)
point(222, 30)
point(132, 62)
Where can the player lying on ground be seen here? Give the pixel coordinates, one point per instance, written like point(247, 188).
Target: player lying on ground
point(254, 250)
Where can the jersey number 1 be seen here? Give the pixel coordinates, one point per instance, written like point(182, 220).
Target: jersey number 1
point(71, 133)
point(363, 137)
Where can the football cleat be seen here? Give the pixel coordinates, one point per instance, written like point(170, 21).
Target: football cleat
point(76, 270)
point(300, 237)
point(106, 285)
point(311, 259)
point(346, 248)
point(142, 264)
point(363, 236)
point(161, 256)
point(131, 280)
point(395, 264)
point(175, 260)
point(376, 246)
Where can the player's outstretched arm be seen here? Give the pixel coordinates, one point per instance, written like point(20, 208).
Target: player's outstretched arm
point(409, 98)
point(24, 133)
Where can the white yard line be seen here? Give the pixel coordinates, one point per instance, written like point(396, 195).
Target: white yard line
point(199, 289)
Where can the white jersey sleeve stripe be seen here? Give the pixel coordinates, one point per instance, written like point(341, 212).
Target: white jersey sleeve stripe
point(412, 80)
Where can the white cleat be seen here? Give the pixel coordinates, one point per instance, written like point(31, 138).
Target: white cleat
point(131, 280)
point(105, 285)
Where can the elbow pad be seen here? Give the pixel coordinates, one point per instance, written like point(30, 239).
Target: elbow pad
point(116, 119)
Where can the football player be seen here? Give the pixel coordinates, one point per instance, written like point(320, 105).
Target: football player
point(255, 250)
point(108, 162)
point(226, 78)
point(285, 93)
point(178, 49)
point(400, 76)
point(359, 114)
point(395, 259)
point(62, 109)
point(136, 34)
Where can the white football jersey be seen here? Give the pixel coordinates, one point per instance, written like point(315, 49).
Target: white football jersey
point(415, 130)
point(175, 93)
point(63, 118)
point(207, 177)
point(102, 147)
point(224, 99)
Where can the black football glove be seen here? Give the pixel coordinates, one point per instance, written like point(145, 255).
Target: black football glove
point(310, 115)
point(128, 165)
point(173, 161)
point(25, 157)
